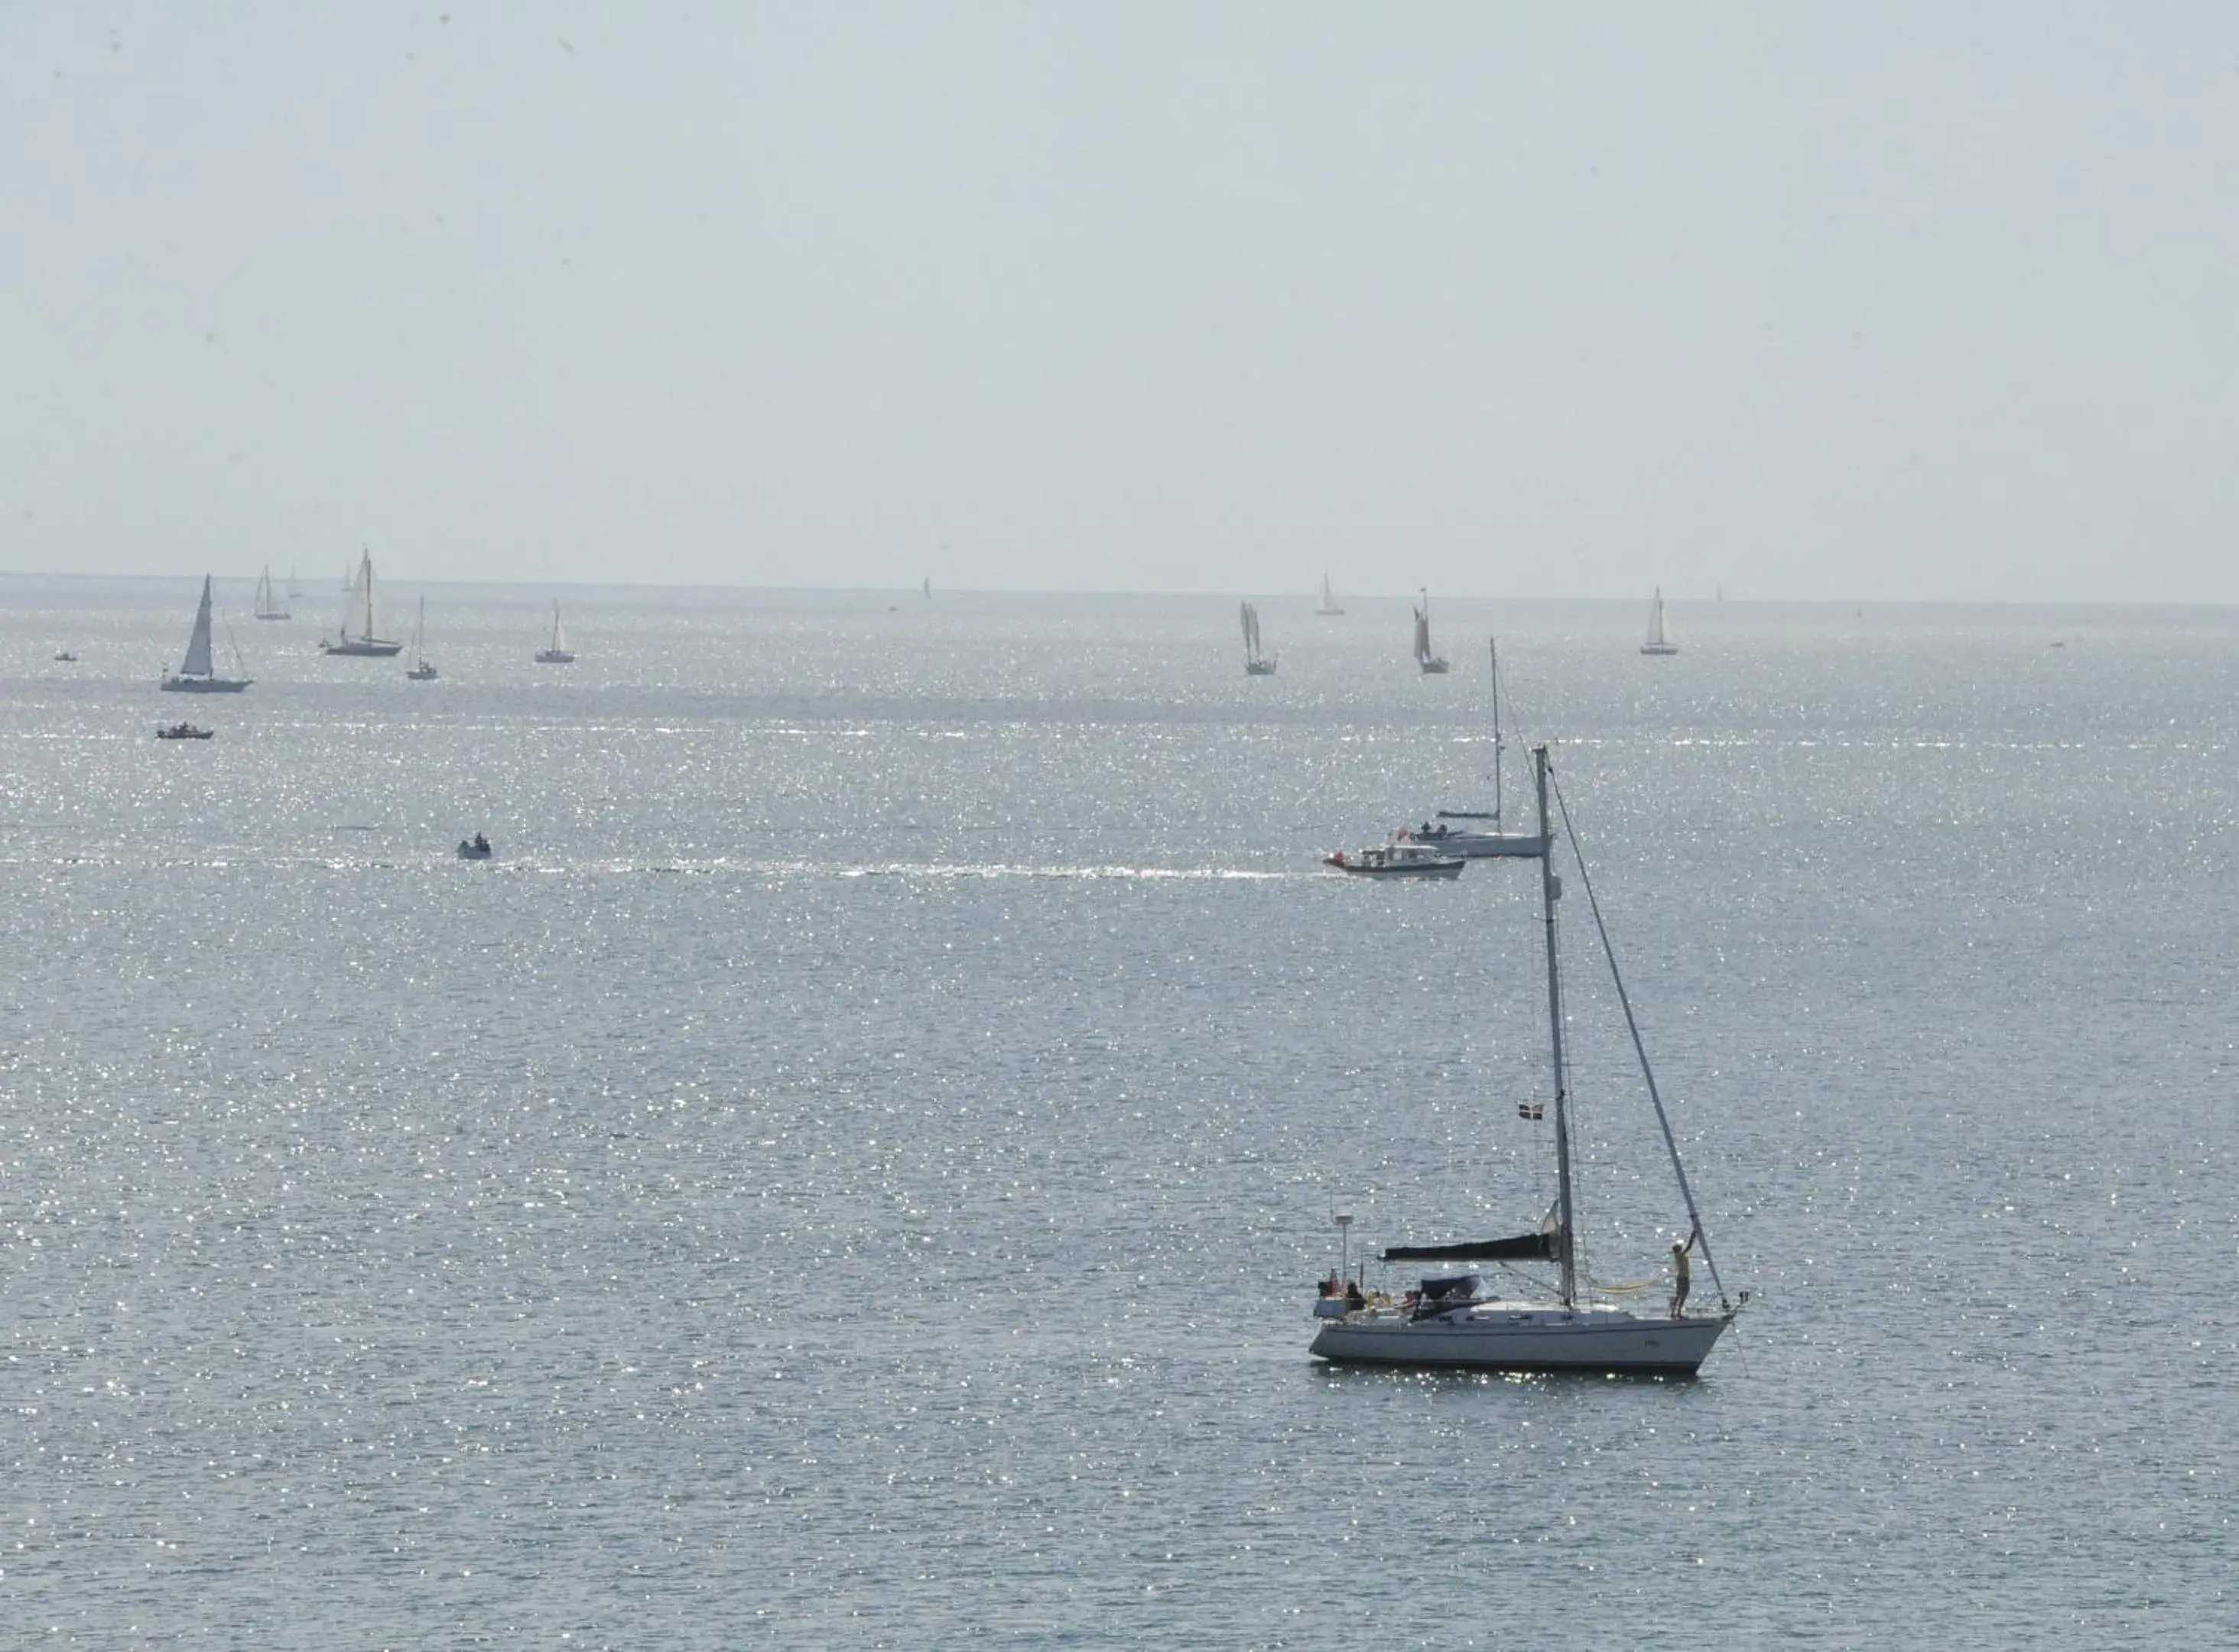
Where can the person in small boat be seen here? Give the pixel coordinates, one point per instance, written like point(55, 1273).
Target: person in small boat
point(1679, 1272)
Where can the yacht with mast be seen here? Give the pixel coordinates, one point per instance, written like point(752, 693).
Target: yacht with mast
point(422, 670)
point(555, 653)
point(1658, 642)
point(1476, 832)
point(1256, 664)
point(195, 675)
point(268, 606)
point(1449, 1322)
point(361, 637)
point(1327, 608)
point(1426, 656)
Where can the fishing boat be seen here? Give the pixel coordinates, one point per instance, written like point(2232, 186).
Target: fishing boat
point(1449, 1322)
point(268, 606)
point(1477, 832)
point(1327, 607)
point(1657, 641)
point(183, 731)
point(421, 671)
point(556, 653)
point(1426, 656)
point(195, 675)
point(361, 637)
point(1403, 858)
point(1256, 664)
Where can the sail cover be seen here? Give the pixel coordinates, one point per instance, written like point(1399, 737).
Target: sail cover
point(1524, 1247)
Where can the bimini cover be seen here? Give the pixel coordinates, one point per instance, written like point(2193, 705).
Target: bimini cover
point(1524, 1247)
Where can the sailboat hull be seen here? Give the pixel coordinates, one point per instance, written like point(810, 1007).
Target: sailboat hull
point(1513, 1337)
point(1480, 845)
point(363, 648)
point(205, 685)
point(1659, 647)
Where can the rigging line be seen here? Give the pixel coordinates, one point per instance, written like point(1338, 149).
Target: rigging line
point(1648, 1073)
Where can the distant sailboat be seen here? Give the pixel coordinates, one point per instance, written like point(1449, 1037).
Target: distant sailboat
point(928, 588)
point(293, 589)
point(422, 672)
point(1328, 605)
point(194, 675)
point(1658, 642)
point(557, 654)
point(1431, 665)
point(1256, 664)
point(361, 637)
point(268, 606)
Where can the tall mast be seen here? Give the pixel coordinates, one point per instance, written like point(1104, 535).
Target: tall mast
point(1494, 643)
point(1551, 890)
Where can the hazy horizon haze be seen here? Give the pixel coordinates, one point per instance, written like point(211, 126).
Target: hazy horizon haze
point(1813, 304)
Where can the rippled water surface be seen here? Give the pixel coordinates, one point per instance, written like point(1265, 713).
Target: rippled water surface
point(851, 1171)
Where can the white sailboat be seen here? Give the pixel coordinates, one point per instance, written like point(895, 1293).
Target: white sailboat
point(421, 671)
point(196, 674)
point(1426, 656)
point(361, 637)
point(1492, 838)
point(1450, 1324)
point(293, 589)
point(1658, 642)
point(1256, 664)
point(557, 653)
point(1328, 605)
point(268, 606)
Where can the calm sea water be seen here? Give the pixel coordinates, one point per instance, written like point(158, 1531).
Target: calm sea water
point(851, 1172)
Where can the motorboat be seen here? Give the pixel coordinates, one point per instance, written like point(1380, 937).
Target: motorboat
point(183, 731)
point(1404, 859)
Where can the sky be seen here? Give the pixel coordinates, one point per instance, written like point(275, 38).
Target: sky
point(1809, 302)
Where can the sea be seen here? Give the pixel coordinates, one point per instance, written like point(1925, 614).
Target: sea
point(852, 1170)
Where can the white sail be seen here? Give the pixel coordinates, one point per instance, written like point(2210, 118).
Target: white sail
point(559, 632)
point(1658, 642)
point(198, 662)
point(1329, 599)
point(268, 606)
point(361, 620)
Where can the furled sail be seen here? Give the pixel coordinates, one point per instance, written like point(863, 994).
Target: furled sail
point(1524, 1247)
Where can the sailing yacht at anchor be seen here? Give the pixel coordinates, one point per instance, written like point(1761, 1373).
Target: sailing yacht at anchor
point(1492, 838)
point(423, 671)
point(1448, 1324)
point(1256, 664)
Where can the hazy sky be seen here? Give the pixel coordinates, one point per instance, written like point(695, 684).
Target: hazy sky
point(1887, 300)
